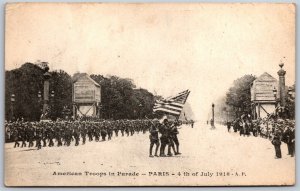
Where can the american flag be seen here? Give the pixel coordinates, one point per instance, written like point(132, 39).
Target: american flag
point(172, 105)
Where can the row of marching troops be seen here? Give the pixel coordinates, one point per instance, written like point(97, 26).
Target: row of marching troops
point(64, 132)
point(277, 130)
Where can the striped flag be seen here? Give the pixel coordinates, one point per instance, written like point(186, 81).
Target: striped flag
point(172, 105)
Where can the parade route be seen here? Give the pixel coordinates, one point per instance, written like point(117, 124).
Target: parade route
point(209, 157)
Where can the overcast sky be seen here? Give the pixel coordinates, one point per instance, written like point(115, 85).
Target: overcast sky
point(164, 48)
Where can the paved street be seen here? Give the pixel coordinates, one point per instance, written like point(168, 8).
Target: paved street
point(237, 160)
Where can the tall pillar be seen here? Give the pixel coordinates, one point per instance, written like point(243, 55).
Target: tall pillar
point(47, 76)
point(281, 73)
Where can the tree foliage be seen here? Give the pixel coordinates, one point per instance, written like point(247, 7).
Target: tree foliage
point(119, 96)
point(121, 99)
point(238, 96)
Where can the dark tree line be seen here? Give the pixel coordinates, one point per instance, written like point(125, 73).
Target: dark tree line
point(120, 97)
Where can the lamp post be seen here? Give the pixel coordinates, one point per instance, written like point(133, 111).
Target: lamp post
point(99, 110)
point(40, 100)
point(275, 97)
point(212, 123)
point(290, 93)
point(226, 114)
point(40, 96)
point(12, 99)
point(140, 109)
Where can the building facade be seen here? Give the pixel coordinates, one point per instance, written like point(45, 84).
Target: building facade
point(262, 96)
point(86, 96)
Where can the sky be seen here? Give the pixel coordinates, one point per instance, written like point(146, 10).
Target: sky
point(165, 48)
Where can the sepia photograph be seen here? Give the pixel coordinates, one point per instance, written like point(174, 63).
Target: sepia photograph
point(150, 94)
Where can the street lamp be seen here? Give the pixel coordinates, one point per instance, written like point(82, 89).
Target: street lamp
point(40, 96)
point(275, 92)
point(140, 106)
point(52, 94)
point(99, 110)
point(12, 99)
point(213, 116)
point(275, 96)
point(290, 92)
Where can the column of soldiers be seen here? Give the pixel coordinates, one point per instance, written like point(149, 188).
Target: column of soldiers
point(65, 132)
point(277, 130)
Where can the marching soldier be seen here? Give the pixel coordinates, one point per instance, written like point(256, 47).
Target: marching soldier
point(154, 138)
point(23, 136)
point(30, 136)
point(164, 138)
point(76, 135)
point(174, 133)
point(83, 134)
point(38, 138)
point(103, 134)
point(170, 139)
point(15, 135)
point(51, 137)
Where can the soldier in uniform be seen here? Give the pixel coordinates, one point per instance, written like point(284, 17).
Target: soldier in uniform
point(277, 142)
point(174, 133)
point(58, 134)
point(171, 138)
point(83, 134)
point(23, 136)
point(76, 135)
point(15, 135)
point(51, 136)
point(90, 133)
point(228, 126)
point(122, 125)
point(164, 138)
point(103, 133)
point(116, 128)
point(109, 130)
point(292, 138)
point(287, 139)
point(38, 138)
point(30, 136)
point(154, 138)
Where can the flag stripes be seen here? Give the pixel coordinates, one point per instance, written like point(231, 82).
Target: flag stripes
point(172, 105)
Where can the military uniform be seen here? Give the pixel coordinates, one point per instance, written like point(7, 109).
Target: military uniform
point(277, 142)
point(154, 139)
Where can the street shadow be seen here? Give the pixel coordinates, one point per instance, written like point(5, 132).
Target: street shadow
point(28, 150)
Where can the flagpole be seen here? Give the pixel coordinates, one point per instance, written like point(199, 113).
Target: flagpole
point(183, 104)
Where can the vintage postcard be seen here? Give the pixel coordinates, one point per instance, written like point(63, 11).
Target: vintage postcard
point(112, 94)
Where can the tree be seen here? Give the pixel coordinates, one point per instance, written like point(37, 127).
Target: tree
point(121, 100)
point(61, 84)
point(238, 96)
point(24, 83)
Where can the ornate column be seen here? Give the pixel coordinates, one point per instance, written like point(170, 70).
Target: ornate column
point(281, 73)
point(47, 76)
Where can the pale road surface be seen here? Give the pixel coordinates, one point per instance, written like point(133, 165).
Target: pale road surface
point(248, 161)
